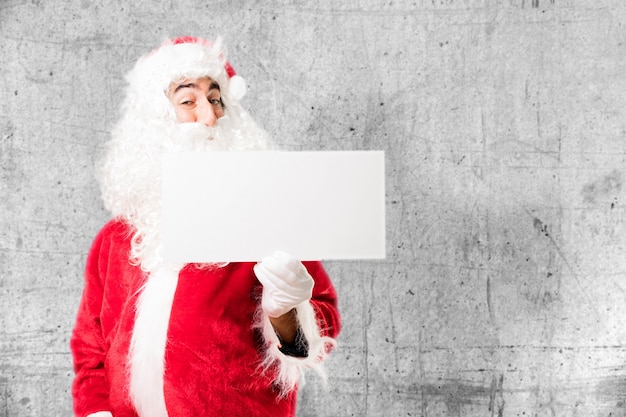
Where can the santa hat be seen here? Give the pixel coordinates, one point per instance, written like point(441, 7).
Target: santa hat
point(177, 59)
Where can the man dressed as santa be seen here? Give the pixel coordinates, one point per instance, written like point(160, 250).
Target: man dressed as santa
point(156, 339)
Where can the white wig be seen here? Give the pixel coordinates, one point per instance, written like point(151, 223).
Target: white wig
point(130, 173)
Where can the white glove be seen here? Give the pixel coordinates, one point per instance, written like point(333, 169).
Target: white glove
point(286, 283)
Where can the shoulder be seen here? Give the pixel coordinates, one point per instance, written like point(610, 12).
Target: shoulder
point(115, 233)
point(110, 249)
point(117, 226)
point(115, 229)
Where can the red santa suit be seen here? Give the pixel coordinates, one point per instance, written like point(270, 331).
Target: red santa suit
point(158, 340)
point(215, 343)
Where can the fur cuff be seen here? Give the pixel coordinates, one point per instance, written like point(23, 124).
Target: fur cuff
point(101, 414)
point(290, 370)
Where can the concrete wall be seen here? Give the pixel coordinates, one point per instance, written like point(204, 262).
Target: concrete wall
point(504, 126)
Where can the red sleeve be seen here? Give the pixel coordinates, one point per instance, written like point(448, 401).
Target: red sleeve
point(90, 388)
point(324, 300)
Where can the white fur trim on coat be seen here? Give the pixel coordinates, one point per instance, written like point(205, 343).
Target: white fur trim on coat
point(291, 370)
point(147, 349)
point(100, 414)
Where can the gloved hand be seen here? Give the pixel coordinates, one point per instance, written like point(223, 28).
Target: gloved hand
point(286, 283)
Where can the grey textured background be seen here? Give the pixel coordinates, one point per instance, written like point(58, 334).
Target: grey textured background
point(503, 122)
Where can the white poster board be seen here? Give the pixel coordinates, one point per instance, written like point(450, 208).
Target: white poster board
point(242, 206)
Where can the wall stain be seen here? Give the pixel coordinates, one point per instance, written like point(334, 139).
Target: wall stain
point(535, 3)
point(4, 396)
point(541, 227)
point(612, 390)
point(496, 396)
point(456, 394)
point(7, 145)
point(604, 188)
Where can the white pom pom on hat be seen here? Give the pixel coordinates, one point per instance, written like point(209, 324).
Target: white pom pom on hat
point(237, 87)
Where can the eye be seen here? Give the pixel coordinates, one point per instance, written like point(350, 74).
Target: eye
point(186, 102)
point(217, 103)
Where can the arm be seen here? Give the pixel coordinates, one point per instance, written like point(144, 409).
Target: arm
point(297, 299)
point(90, 389)
point(286, 326)
point(324, 301)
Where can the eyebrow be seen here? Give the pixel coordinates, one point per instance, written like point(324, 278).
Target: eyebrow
point(213, 86)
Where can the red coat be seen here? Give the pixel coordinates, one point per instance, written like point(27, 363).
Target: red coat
point(213, 352)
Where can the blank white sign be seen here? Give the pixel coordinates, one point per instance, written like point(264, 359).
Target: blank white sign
point(243, 206)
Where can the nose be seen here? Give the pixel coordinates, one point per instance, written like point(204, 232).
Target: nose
point(205, 113)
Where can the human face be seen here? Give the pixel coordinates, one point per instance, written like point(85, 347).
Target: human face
point(196, 101)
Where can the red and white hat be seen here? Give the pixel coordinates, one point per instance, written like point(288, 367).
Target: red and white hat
point(177, 59)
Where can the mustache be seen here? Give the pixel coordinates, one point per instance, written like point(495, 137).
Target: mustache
point(195, 132)
point(197, 137)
